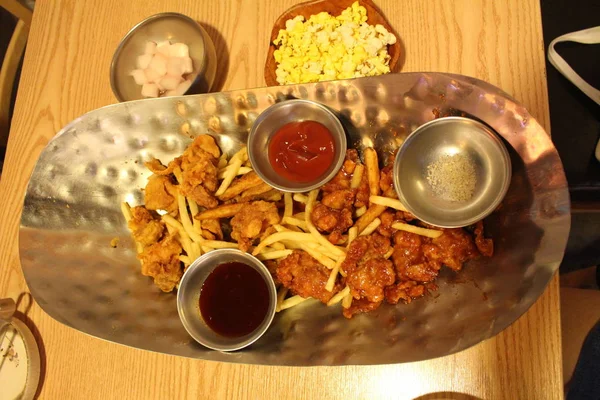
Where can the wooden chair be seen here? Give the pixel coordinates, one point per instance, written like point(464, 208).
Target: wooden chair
point(12, 58)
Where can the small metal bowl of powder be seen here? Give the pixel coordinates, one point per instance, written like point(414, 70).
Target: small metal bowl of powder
point(452, 172)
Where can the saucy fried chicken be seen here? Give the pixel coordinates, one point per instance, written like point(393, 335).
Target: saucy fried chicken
point(367, 270)
point(342, 179)
point(305, 276)
point(485, 246)
point(144, 228)
point(360, 306)
point(160, 261)
point(330, 220)
point(253, 219)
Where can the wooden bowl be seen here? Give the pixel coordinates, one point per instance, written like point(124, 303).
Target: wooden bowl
point(335, 8)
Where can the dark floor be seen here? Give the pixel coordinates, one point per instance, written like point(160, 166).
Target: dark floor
point(575, 124)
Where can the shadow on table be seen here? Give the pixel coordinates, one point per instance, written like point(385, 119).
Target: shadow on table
point(222, 56)
point(25, 301)
point(447, 395)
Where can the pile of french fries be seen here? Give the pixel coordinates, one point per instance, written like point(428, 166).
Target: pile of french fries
point(295, 231)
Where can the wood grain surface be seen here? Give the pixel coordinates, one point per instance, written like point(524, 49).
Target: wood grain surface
point(335, 8)
point(65, 74)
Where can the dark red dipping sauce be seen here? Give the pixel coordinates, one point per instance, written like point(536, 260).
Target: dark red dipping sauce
point(234, 299)
point(301, 151)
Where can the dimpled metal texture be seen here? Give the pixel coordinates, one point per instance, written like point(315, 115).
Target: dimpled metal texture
point(71, 213)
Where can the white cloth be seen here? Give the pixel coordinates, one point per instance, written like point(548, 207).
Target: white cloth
point(586, 36)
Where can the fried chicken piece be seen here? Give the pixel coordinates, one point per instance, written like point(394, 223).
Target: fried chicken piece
point(405, 291)
point(161, 262)
point(144, 228)
point(342, 179)
point(161, 194)
point(452, 249)
point(158, 168)
point(418, 260)
point(362, 192)
point(330, 220)
point(305, 276)
point(272, 267)
point(410, 259)
point(360, 306)
point(367, 270)
point(485, 246)
point(388, 218)
point(386, 181)
point(338, 199)
point(199, 171)
point(211, 229)
point(253, 219)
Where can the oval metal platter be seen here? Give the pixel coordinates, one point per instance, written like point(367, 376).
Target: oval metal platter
point(71, 213)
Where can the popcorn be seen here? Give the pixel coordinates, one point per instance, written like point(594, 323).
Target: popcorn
point(325, 47)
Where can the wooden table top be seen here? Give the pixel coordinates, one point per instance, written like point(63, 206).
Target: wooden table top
point(65, 74)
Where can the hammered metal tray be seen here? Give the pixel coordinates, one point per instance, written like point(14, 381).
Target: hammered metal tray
point(71, 213)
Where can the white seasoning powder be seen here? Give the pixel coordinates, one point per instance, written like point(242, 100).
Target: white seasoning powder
point(452, 177)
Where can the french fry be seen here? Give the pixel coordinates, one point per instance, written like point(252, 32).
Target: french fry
point(126, 210)
point(185, 260)
point(295, 222)
point(352, 234)
point(300, 198)
point(332, 276)
point(240, 185)
point(431, 233)
point(242, 154)
point(196, 249)
point(347, 300)
point(272, 255)
point(360, 211)
point(281, 293)
point(312, 197)
point(218, 244)
point(300, 216)
point(371, 227)
point(206, 249)
point(388, 202)
point(272, 195)
point(278, 246)
point(374, 211)
point(289, 244)
point(194, 210)
point(222, 162)
point(257, 190)
point(339, 296)
point(357, 176)
point(185, 217)
point(276, 237)
point(291, 302)
point(389, 253)
point(229, 175)
point(224, 211)
point(178, 174)
point(312, 248)
point(184, 238)
point(242, 171)
point(320, 257)
point(372, 165)
point(289, 205)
